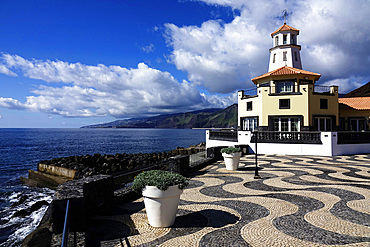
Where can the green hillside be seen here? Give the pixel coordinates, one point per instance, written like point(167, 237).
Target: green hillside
point(208, 118)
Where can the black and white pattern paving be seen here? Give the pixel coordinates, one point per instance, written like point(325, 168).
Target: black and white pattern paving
point(299, 201)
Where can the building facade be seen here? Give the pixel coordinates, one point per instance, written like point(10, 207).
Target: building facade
point(288, 113)
point(286, 98)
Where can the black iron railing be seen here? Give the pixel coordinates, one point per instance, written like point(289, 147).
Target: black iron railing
point(224, 135)
point(287, 137)
point(352, 137)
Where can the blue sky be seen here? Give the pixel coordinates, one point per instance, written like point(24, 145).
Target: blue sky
point(74, 63)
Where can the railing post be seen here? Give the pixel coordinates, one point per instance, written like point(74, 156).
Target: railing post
point(256, 176)
point(66, 227)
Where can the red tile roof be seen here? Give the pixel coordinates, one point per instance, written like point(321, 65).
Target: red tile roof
point(285, 27)
point(285, 70)
point(358, 103)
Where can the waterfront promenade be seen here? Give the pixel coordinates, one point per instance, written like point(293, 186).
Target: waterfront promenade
point(300, 201)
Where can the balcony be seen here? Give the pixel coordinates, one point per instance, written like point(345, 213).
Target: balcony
point(249, 93)
point(293, 89)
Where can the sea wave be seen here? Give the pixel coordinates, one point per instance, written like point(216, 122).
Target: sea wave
point(13, 230)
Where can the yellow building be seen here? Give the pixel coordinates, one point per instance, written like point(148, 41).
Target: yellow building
point(288, 113)
point(286, 98)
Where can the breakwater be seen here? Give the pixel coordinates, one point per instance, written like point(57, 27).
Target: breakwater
point(51, 173)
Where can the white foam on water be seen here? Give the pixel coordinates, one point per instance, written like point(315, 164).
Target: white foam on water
point(27, 224)
point(14, 197)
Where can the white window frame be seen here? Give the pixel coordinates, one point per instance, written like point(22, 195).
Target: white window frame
point(250, 123)
point(289, 124)
point(285, 39)
point(324, 119)
point(283, 87)
point(357, 120)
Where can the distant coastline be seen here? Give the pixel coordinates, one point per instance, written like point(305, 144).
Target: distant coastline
point(202, 119)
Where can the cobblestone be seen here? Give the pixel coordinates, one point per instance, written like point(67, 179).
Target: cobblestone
point(300, 201)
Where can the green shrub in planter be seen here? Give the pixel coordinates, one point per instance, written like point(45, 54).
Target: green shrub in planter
point(160, 179)
point(230, 150)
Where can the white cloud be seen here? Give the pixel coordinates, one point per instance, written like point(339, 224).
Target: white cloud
point(148, 48)
point(1, 116)
point(4, 70)
point(334, 35)
point(218, 58)
point(100, 90)
point(347, 84)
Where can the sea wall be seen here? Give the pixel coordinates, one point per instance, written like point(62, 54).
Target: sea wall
point(51, 173)
point(90, 165)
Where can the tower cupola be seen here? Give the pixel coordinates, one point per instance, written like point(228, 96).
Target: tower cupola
point(285, 50)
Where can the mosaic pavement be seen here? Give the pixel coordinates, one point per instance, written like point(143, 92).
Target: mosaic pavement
point(300, 201)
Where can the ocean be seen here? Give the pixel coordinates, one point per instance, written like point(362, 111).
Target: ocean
point(22, 149)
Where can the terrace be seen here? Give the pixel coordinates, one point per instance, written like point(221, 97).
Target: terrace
point(294, 143)
point(231, 208)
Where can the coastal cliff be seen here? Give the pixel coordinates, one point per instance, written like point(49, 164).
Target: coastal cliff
point(208, 118)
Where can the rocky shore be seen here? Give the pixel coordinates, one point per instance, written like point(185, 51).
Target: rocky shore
point(86, 168)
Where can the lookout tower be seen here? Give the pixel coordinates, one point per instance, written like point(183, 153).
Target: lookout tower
point(285, 51)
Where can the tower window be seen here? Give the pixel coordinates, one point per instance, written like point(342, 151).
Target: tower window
point(295, 56)
point(273, 58)
point(285, 37)
point(293, 41)
point(276, 40)
point(284, 56)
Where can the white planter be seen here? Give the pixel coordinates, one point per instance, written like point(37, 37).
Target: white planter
point(232, 160)
point(161, 206)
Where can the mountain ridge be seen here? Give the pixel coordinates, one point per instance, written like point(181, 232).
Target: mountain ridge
point(206, 118)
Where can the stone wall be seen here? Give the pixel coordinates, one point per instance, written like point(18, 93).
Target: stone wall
point(90, 165)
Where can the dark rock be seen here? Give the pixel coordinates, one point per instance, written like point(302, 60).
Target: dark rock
point(21, 200)
point(38, 205)
point(21, 213)
point(41, 237)
point(25, 212)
